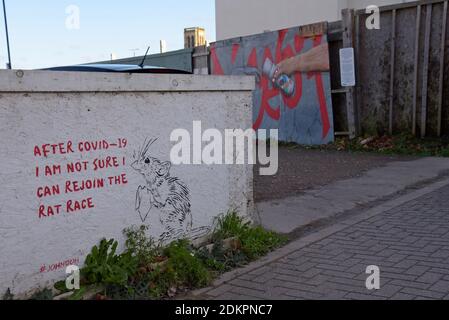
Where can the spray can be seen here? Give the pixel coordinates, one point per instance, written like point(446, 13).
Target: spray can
point(283, 82)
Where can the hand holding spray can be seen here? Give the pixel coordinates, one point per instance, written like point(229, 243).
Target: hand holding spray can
point(283, 81)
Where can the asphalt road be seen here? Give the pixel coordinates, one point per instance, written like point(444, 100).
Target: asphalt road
point(303, 169)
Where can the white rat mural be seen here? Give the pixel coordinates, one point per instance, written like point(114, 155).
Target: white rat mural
point(168, 194)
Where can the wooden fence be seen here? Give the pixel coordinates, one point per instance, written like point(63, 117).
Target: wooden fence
point(402, 71)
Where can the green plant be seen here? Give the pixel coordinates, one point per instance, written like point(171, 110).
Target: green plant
point(139, 245)
point(400, 144)
point(44, 294)
point(161, 280)
point(104, 266)
point(444, 152)
point(78, 294)
point(145, 270)
point(61, 286)
point(255, 241)
point(136, 289)
point(229, 225)
point(213, 260)
point(219, 259)
point(182, 270)
point(188, 269)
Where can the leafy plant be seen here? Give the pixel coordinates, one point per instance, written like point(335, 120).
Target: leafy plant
point(139, 245)
point(255, 241)
point(145, 270)
point(219, 259)
point(212, 260)
point(188, 269)
point(104, 266)
point(132, 291)
point(181, 269)
point(161, 280)
point(229, 225)
point(61, 286)
point(44, 294)
point(78, 294)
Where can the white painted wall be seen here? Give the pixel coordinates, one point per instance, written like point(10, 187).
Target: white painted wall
point(38, 107)
point(235, 18)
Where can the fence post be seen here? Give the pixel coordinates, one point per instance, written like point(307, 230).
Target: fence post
point(425, 71)
point(348, 42)
point(416, 69)
point(441, 80)
point(392, 68)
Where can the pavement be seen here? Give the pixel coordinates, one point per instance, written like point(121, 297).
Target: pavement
point(302, 169)
point(324, 204)
point(407, 237)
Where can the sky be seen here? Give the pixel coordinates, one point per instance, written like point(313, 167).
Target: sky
point(39, 36)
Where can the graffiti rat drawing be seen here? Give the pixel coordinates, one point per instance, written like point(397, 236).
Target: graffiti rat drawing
point(168, 194)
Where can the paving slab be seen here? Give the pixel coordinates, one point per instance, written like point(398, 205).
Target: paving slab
point(335, 258)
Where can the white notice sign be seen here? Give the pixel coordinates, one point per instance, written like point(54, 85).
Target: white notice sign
point(347, 67)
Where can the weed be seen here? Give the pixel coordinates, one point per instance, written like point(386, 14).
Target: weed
point(183, 269)
point(219, 260)
point(141, 246)
point(61, 286)
point(188, 269)
point(104, 266)
point(402, 144)
point(44, 294)
point(228, 226)
point(213, 260)
point(160, 281)
point(255, 241)
point(145, 271)
point(78, 294)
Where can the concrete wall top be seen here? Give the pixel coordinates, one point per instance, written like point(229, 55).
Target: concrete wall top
point(52, 81)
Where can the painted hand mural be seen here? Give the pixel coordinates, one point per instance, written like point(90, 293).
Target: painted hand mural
point(293, 91)
point(166, 194)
